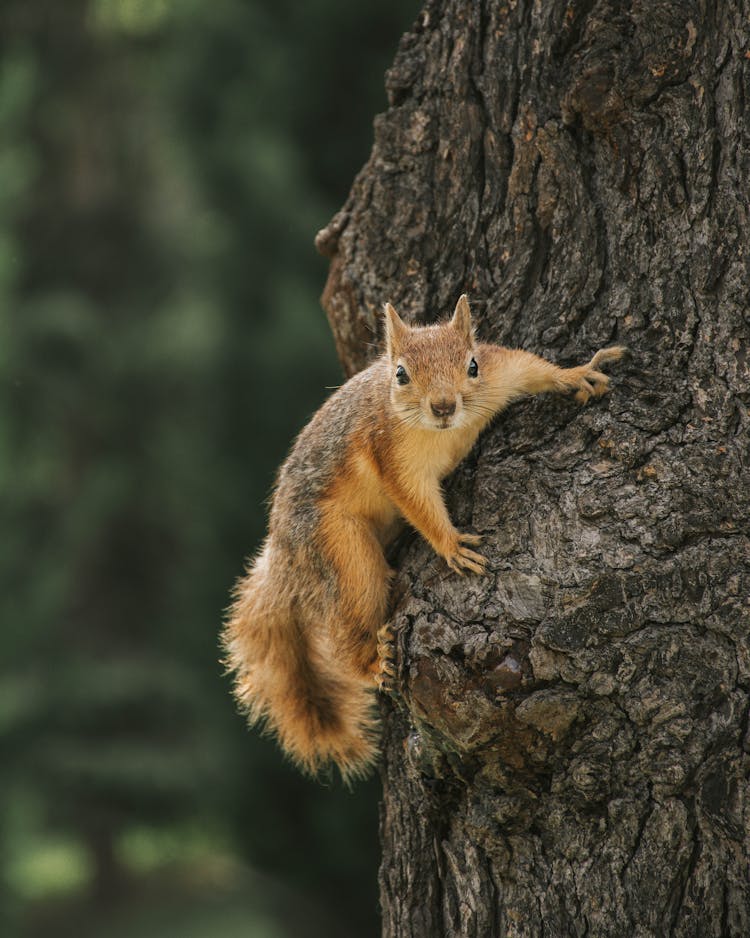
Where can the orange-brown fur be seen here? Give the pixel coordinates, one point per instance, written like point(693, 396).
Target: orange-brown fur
point(302, 636)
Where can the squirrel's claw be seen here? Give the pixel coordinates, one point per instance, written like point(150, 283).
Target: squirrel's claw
point(453, 564)
point(385, 682)
point(385, 666)
point(463, 558)
point(585, 391)
point(587, 381)
point(473, 561)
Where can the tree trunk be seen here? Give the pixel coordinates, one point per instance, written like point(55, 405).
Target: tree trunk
point(566, 753)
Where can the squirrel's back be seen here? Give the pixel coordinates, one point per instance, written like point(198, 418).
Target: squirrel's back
point(319, 453)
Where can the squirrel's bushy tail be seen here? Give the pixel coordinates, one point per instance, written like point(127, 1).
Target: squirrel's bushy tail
point(285, 680)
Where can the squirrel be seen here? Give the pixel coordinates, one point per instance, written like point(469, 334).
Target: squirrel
point(306, 635)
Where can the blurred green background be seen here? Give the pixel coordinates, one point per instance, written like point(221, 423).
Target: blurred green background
point(164, 166)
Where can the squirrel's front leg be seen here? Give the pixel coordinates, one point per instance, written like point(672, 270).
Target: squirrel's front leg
point(512, 372)
point(421, 503)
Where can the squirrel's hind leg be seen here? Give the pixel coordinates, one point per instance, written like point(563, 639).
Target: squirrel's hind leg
point(363, 581)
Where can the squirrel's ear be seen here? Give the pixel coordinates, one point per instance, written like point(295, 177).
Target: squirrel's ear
point(395, 331)
point(462, 319)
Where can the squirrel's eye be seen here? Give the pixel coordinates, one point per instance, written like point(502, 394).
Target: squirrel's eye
point(401, 375)
point(473, 368)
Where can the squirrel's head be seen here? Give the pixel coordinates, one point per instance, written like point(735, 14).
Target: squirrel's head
point(434, 371)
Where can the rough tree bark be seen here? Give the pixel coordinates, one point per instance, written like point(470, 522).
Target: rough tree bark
point(566, 753)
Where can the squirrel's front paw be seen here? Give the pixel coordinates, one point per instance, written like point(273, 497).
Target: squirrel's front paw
point(461, 558)
point(587, 380)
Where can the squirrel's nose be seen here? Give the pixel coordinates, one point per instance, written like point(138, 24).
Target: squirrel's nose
point(443, 408)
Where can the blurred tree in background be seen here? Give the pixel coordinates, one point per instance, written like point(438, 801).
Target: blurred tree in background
point(164, 166)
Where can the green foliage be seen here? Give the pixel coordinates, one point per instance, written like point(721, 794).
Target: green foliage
point(164, 168)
